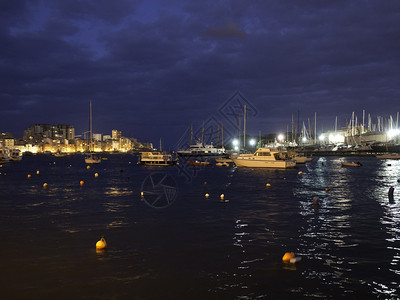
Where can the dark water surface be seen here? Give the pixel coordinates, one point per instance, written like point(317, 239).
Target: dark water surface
point(199, 248)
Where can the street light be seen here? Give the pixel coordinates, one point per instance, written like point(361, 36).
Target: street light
point(252, 142)
point(281, 137)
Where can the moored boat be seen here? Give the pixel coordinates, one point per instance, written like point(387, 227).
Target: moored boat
point(157, 159)
point(198, 163)
point(200, 149)
point(352, 164)
point(265, 158)
point(388, 156)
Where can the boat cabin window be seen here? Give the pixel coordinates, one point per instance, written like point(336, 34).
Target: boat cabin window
point(263, 154)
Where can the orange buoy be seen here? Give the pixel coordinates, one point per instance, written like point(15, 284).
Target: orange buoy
point(81, 182)
point(29, 176)
point(207, 195)
point(45, 185)
point(288, 256)
point(37, 172)
point(96, 175)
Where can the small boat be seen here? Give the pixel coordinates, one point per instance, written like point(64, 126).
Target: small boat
point(198, 163)
point(60, 154)
point(265, 158)
point(4, 155)
point(15, 155)
point(223, 160)
point(389, 156)
point(157, 159)
point(222, 164)
point(352, 164)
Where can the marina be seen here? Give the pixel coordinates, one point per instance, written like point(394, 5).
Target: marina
point(199, 247)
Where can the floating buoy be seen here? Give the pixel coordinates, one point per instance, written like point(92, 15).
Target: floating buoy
point(101, 245)
point(81, 182)
point(37, 172)
point(29, 176)
point(300, 172)
point(96, 175)
point(380, 175)
point(45, 185)
point(268, 185)
point(288, 256)
point(222, 196)
point(326, 189)
point(129, 162)
point(88, 167)
point(207, 195)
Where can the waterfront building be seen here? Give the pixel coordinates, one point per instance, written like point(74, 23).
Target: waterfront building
point(116, 134)
point(97, 137)
point(38, 132)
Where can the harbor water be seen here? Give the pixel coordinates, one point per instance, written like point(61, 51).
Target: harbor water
point(175, 243)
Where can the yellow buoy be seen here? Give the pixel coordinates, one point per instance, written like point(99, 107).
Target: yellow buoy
point(88, 167)
point(222, 196)
point(100, 245)
point(326, 189)
point(37, 172)
point(207, 195)
point(96, 175)
point(81, 182)
point(300, 173)
point(288, 256)
point(29, 176)
point(268, 185)
point(45, 185)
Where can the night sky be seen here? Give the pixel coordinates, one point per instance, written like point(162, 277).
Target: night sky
point(152, 68)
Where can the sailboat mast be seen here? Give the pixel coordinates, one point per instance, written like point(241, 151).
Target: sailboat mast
point(91, 126)
point(191, 134)
point(315, 128)
point(222, 135)
point(202, 134)
point(244, 128)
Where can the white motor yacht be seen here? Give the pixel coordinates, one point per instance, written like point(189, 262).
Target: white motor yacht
point(265, 158)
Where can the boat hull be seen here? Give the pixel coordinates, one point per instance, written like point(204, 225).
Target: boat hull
point(158, 163)
point(273, 164)
point(389, 156)
point(92, 160)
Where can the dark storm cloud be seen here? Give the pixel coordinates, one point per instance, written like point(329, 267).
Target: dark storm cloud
point(152, 68)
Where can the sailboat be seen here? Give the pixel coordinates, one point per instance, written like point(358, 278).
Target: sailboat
point(91, 158)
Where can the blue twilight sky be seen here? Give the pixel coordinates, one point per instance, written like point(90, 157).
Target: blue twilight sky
point(153, 67)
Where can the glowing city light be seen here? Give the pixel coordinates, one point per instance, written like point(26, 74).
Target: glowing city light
point(252, 142)
point(281, 137)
